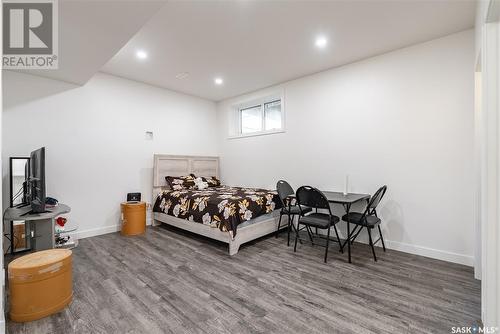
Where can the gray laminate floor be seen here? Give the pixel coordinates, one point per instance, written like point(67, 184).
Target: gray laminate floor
point(173, 282)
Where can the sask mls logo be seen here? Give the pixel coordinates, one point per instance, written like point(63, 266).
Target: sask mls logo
point(30, 39)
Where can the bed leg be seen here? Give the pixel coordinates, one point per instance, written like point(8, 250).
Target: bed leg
point(233, 248)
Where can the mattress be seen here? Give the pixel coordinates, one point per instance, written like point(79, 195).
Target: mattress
point(225, 208)
point(266, 216)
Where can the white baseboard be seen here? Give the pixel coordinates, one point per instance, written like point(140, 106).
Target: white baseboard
point(433, 253)
point(438, 254)
point(92, 232)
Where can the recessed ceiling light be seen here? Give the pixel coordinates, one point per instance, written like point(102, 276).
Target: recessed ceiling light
point(182, 75)
point(218, 81)
point(141, 54)
point(321, 42)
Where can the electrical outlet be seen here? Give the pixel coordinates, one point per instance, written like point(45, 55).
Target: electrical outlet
point(149, 135)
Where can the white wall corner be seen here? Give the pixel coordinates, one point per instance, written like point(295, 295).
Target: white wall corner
point(490, 182)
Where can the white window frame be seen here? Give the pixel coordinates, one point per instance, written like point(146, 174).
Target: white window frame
point(240, 124)
point(253, 102)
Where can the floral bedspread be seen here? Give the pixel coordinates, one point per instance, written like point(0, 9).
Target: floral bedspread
point(219, 207)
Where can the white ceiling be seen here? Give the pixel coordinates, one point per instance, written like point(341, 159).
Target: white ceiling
point(255, 44)
point(91, 32)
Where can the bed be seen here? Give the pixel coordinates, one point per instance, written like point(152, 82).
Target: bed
point(170, 203)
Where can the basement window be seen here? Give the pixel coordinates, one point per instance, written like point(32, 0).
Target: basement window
point(251, 119)
point(259, 117)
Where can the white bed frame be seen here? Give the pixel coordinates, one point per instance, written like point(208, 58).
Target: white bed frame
point(178, 165)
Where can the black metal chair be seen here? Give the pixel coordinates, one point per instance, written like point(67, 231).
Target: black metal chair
point(284, 191)
point(368, 219)
point(313, 198)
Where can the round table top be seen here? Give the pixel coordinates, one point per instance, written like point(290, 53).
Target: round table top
point(134, 203)
point(39, 259)
point(20, 213)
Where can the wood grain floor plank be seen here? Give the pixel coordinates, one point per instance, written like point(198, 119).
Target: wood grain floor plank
point(171, 281)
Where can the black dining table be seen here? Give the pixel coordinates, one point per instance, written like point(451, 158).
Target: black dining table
point(346, 201)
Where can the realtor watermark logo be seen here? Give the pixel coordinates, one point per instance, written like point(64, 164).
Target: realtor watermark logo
point(30, 34)
point(474, 329)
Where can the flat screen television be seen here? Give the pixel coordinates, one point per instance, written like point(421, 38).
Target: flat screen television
point(36, 181)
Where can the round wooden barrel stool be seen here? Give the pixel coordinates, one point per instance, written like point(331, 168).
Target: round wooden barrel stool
point(133, 218)
point(40, 284)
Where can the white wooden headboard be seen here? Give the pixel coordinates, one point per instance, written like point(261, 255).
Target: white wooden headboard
point(179, 165)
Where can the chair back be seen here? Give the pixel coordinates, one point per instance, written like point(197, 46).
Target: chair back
point(284, 190)
point(374, 201)
point(312, 198)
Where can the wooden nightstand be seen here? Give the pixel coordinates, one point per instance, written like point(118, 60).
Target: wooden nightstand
point(133, 218)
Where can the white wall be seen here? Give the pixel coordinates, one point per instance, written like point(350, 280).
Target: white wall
point(94, 136)
point(404, 119)
point(487, 151)
point(481, 14)
point(2, 279)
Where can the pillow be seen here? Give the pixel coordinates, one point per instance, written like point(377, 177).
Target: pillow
point(200, 184)
point(180, 182)
point(212, 182)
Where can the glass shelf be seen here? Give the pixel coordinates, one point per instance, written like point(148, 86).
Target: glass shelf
point(72, 242)
point(68, 245)
point(68, 229)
